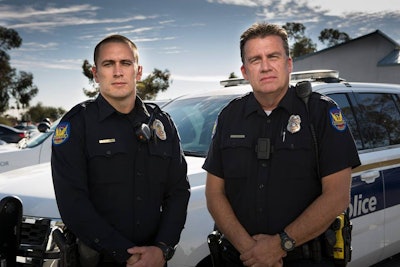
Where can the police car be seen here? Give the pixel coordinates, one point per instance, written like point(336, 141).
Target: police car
point(373, 115)
point(28, 151)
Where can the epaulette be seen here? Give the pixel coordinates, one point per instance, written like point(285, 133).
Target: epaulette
point(327, 99)
point(77, 108)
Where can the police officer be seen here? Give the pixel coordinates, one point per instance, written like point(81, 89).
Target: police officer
point(118, 169)
point(263, 187)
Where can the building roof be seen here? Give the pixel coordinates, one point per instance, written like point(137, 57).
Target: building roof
point(391, 59)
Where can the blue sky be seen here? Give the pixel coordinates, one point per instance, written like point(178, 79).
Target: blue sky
point(196, 40)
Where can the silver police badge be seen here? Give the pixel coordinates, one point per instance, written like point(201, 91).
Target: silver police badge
point(294, 124)
point(159, 129)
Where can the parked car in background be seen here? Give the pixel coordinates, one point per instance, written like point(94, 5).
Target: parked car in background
point(30, 128)
point(28, 151)
point(372, 112)
point(12, 135)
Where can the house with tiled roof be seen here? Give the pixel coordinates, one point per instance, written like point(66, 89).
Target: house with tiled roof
point(374, 57)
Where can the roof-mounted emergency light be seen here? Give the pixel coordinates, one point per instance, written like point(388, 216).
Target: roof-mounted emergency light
point(315, 75)
point(233, 82)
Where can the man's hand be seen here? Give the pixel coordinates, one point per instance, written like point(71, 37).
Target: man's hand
point(266, 252)
point(148, 257)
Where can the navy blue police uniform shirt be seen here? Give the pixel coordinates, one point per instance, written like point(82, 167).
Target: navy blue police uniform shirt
point(113, 191)
point(268, 194)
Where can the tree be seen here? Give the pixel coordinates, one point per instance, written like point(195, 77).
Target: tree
point(147, 88)
point(155, 82)
point(302, 47)
point(39, 112)
point(23, 90)
point(302, 44)
point(232, 76)
point(333, 37)
point(20, 85)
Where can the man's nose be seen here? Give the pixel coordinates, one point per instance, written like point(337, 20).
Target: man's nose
point(118, 70)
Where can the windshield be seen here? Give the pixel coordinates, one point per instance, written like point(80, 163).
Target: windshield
point(194, 119)
point(38, 138)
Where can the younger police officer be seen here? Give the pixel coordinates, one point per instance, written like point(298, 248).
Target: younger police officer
point(263, 185)
point(118, 170)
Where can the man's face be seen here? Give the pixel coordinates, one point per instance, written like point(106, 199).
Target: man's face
point(117, 72)
point(266, 65)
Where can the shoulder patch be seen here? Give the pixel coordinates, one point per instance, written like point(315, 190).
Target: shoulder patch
point(61, 134)
point(337, 120)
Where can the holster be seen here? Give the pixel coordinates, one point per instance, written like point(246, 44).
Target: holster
point(213, 240)
point(66, 242)
point(338, 240)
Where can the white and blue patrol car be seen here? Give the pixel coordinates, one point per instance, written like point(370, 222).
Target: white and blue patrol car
point(28, 151)
point(372, 112)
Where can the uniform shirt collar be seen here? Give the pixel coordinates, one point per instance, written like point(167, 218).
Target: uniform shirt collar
point(254, 106)
point(106, 110)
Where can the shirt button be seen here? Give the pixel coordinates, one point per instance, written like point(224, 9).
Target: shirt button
point(264, 164)
point(261, 186)
point(108, 152)
point(96, 240)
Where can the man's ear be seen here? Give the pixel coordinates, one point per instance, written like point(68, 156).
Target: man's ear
point(94, 71)
point(244, 73)
point(139, 73)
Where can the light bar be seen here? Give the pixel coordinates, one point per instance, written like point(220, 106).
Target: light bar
point(314, 75)
point(233, 82)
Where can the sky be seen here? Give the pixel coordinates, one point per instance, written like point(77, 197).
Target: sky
point(197, 41)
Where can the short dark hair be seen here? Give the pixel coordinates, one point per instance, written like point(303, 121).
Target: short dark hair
point(261, 30)
point(116, 38)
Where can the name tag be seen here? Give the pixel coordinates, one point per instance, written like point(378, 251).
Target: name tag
point(237, 136)
point(107, 141)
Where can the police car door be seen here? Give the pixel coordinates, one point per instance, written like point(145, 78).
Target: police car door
point(367, 192)
point(382, 111)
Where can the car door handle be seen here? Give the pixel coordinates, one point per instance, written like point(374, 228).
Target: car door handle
point(370, 176)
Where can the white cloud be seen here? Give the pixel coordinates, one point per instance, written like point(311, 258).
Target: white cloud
point(340, 7)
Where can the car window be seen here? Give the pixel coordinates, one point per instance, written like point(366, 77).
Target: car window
point(39, 138)
point(382, 119)
point(194, 119)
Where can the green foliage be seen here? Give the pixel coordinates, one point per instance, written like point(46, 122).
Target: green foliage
point(155, 82)
point(232, 76)
point(333, 37)
point(147, 88)
point(38, 112)
point(303, 45)
point(20, 85)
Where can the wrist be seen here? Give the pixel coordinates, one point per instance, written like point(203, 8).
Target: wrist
point(287, 243)
point(167, 251)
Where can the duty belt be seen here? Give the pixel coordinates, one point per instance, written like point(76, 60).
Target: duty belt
point(312, 250)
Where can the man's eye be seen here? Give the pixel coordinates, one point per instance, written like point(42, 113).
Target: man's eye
point(254, 60)
point(126, 63)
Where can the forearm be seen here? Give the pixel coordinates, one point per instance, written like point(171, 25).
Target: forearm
point(321, 213)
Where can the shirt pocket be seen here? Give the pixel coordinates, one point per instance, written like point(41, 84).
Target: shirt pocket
point(237, 154)
point(161, 155)
point(110, 163)
point(296, 152)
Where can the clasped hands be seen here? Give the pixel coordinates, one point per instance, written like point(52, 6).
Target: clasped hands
point(264, 253)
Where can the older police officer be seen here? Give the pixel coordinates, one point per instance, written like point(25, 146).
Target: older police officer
point(269, 191)
point(118, 169)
